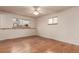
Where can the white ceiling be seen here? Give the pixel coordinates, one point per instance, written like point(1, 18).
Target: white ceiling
point(28, 10)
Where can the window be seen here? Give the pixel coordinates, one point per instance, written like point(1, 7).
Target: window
point(20, 22)
point(24, 22)
point(53, 20)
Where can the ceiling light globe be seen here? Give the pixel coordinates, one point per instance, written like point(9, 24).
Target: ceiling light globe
point(36, 13)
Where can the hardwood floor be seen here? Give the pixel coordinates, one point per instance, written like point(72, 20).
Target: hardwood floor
point(36, 44)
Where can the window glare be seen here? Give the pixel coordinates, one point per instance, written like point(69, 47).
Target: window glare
point(21, 21)
point(53, 20)
point(50, 21)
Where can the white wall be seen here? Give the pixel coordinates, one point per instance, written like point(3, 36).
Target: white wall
point(6, 22)
point(15, 33)
point(67, 29)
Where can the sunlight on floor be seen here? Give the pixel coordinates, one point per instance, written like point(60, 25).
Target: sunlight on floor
point(21, 48)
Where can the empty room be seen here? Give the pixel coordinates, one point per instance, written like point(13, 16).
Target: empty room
point(39, 29)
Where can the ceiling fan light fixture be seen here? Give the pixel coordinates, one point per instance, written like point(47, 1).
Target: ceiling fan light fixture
point(35, 12)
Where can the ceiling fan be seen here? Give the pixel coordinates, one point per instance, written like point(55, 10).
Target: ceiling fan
point(36, 10)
